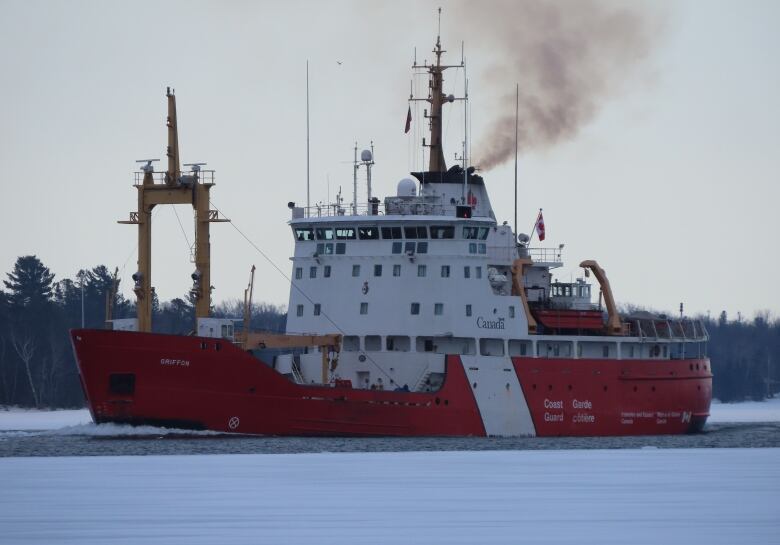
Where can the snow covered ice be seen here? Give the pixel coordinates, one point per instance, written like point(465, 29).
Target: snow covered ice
point(626, 496)
point(727, 496)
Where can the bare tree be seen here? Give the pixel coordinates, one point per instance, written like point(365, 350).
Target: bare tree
point(25, 349)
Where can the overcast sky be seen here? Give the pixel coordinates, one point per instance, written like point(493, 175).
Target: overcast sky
point(672, 184)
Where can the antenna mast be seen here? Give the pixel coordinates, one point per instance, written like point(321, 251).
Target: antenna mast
point(517, 107)
point(354, 183)
point(308, 199)
point(436, 98)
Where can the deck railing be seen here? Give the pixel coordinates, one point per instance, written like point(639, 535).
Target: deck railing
point(204, 177)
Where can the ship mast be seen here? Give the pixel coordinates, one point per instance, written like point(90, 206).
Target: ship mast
point(436, 98)
point(174, 188)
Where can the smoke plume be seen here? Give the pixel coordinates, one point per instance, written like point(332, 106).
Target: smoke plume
point(569, 58)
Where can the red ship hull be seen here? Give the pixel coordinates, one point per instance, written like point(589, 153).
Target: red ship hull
point(201, 383)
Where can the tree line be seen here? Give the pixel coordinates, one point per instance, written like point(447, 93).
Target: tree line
point(37, 365)
point(38, 369)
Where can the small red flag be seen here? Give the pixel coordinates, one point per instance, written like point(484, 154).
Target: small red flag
point(408, 120)
point(540, 226)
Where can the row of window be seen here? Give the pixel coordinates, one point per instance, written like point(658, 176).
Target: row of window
point(438, 345)
point(422, 271)
point(409, 248)
point(414, 309)
point(495, 347)
point(372, 232)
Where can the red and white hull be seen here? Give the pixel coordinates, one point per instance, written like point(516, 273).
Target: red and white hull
point(203, 383)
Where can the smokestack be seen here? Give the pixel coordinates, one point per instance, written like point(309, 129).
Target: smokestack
point(570, 58)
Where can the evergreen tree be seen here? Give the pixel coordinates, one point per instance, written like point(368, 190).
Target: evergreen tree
point(30, 283)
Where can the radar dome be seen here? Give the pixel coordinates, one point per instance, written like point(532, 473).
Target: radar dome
point(365, 155)
point(522, 238)
point(407, 188)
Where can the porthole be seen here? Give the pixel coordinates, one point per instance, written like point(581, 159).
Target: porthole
point(438, 401)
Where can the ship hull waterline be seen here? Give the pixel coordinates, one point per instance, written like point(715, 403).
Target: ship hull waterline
point(205, 383)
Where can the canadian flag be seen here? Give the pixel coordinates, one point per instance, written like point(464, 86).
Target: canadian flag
point(540, 226)
point(408, 120)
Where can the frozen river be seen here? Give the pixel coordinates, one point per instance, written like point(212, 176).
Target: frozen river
point(66, 480)
point(628, 496)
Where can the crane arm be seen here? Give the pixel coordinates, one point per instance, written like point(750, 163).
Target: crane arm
point(614, 325)
point(518, 269)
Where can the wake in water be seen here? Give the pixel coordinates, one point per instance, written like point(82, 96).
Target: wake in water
point(113, 431)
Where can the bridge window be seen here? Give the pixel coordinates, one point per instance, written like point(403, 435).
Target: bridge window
point(389, 233)
point(304, 233)
point(363, 308)
point(345, 233)
point(355, 270)
point(326, 271)
point(482, 248)
point(317, 309)
point(299, 310)
point(445, 271)
point(466, 272)
point(438, 309)
point(421, 270)
point(377, 270)
point(396, 270)
point(442, 231)
point(368, 232)
point(397, 247)
point(312, 272)
point(409, 248)
point(422, 247)
point(341, 248)
point(472, 247)
point(415, 310)
point(483, 232)
point(324, 233)
point(419, 231)
point(298, 273)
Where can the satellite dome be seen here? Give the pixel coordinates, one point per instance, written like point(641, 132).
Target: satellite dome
point(366, 155)
point(407, 188)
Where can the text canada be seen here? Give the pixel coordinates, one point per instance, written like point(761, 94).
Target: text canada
point(482, 323)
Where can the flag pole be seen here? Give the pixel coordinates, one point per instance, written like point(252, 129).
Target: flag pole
point(517, 107)
point(308, 200)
